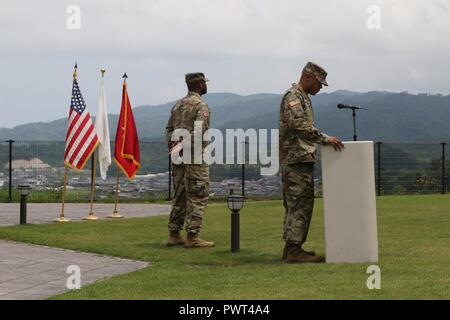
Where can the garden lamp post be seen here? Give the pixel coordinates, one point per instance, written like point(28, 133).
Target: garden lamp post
point(235, 204)
point(24, 190)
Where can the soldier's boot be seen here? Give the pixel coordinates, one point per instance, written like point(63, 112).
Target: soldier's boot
point(284, 257)
point(193, 241)
point(175, 239)
point(295, 254)
point(311, 253)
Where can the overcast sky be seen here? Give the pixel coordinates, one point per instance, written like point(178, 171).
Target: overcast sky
point(243, 46)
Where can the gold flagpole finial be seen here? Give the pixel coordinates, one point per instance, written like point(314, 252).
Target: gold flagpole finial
point(75, 73)
point(103, 72)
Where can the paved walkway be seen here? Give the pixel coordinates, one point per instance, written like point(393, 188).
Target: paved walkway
point(39, 213)
point(37, 272)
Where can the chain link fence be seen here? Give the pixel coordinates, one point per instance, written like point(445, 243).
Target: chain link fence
point(400, 168)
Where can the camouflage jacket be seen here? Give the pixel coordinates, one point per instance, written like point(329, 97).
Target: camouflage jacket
point(184, 114)
point(298, 135)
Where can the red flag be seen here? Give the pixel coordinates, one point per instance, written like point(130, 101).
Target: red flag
point(127, 152)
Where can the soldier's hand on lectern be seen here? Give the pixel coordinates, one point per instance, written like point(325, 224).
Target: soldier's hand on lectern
point(336, 143)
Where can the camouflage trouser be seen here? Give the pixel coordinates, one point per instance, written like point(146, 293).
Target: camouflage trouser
point(298, 200)
point(191, 186)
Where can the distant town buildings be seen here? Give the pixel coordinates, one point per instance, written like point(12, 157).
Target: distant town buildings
point(42, 176)
point(34, 163)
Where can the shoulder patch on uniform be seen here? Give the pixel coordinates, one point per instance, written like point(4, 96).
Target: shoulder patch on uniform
point(293, 103)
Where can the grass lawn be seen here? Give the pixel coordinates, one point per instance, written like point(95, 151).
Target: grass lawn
point(414, 247)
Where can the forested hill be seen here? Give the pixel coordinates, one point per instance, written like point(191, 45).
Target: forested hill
point(389, 117)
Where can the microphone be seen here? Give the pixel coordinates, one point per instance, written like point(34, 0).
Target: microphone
point(347, 106)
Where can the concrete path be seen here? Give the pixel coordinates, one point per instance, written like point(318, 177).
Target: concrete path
point(39, 213)
point(37, 272)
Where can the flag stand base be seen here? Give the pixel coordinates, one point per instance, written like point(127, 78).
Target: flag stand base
point(115, 215)
point(91, 217)
point(61, 220)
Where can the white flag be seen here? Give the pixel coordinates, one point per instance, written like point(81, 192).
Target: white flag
point(102, 128)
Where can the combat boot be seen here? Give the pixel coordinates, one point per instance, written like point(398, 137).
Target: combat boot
point(193, 241)
point(295, 254)
point(284, 257)
point(311, 253)
point(175, 239)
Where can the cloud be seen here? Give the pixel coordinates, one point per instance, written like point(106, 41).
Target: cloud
point(261, 28)
point(244, 46)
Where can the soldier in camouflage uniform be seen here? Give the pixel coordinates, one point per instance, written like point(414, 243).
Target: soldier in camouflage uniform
point(191, 180)
point(297, 149)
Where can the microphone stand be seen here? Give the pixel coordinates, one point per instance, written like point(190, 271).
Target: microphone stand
point(354, 124)
point(355, 138)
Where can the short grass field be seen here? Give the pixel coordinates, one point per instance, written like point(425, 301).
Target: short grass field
point(414, 247)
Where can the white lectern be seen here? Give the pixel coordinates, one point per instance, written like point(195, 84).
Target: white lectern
point(348, 179)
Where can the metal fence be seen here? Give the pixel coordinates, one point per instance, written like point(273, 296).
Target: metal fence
point(400, 168)
point(412, 168)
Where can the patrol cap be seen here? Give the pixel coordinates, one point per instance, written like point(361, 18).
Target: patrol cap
point(192, 77)
point(317, 71)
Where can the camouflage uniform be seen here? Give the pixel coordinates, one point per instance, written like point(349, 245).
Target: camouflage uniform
point(297, 150)
point(191, 181)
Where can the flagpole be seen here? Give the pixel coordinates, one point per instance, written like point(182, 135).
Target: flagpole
point(61, 216)
point(115, 213)
point(91, 215)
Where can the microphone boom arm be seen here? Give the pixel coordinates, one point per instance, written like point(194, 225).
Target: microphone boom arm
point(353, 108)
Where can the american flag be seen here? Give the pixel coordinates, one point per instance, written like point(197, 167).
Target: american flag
point(81, 138)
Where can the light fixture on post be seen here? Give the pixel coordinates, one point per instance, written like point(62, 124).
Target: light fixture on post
point(24, 191)
point(235, 204)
